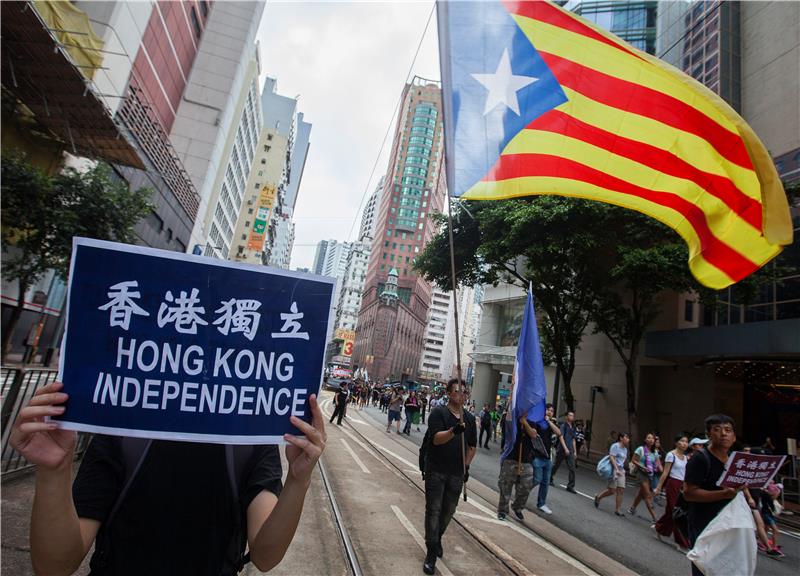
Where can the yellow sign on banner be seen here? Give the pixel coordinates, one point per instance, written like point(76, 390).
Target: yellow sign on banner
point(263, 207)
point(348, 338)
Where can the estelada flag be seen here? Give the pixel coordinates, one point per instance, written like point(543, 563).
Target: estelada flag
point(539, 101)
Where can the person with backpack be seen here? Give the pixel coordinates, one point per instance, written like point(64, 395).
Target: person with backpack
point(448, 448)
point(671, 482)
point(485, 418)
point(700, 489)
point(340, 404)
point(644, 465)
point(618, 453)
point(160, 507)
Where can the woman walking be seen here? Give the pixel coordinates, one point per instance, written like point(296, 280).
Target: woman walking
point(618, 453)
point(412, 408)
point(645, 464)
point(671, 482)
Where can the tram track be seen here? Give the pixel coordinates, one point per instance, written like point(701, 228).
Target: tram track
point(479, 538)
point(347, 544)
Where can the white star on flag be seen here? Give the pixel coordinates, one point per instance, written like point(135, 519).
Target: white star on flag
point(503, 85)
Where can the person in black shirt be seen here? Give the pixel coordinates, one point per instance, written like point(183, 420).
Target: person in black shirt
point(178, 515)
point(516, 472)
point(542, 465)
point(340, 403)
point(453, 438)
point(702, 472)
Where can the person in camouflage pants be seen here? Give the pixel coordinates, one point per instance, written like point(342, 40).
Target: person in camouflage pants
point(516, 473)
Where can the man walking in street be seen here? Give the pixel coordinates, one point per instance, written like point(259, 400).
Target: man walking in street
point(542, 464)
point(516, 472)
point(567, 450)
point(702, 472)
point(485, 417)
point(446, 466)
point(395, 408)
point(340, 404)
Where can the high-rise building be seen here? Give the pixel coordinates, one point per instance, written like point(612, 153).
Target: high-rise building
point(704, 40)
point(352, 285)
point(369, 217)
point(319, 257)
point(438, 353)
point(260, 215)
point(391, 322)
point(217, 122)
point(633, 21)
point(335, 260)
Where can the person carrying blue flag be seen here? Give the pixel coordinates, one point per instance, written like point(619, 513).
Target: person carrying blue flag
point(527, 405)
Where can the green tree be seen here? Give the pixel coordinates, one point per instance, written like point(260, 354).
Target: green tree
point(546, 242)
point(41, 214)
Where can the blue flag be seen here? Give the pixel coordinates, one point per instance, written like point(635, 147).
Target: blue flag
point(529, 390)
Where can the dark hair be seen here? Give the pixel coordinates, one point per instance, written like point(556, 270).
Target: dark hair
point(454, 381)
point(717, 419)
point(548, 405)
point(679, 436)
point(621, 435)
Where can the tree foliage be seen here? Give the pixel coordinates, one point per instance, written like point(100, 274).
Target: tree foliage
point(41, 214)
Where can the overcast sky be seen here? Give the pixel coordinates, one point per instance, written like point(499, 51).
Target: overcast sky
point(348, 62)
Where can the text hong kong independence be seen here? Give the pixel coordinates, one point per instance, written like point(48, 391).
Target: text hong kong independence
point(184, 313)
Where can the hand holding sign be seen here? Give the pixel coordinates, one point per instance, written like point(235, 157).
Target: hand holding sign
point(303, 453)
point(43, 443)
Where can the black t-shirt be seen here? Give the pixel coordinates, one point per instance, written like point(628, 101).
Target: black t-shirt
point(178, 516)
point(341, 397)
point(527, 447)
point(703, 470)
point(546, 434)
point(447, 458)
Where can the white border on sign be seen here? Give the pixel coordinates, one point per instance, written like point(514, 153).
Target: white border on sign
point(184, 257)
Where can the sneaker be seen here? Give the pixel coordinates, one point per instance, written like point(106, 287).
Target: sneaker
point(429, 566)
point(632, 511)
point(596, 502)
point(619, 513)
point(501, 515)
point(519, 515)
point(572, 490)
point(655, 532)
point(775, 553)
point(761, 547)
point(544, 508)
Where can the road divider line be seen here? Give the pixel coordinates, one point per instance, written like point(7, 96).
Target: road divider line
point(364, 469)
point(482, 518)
point(577, 492)
point(440, 565)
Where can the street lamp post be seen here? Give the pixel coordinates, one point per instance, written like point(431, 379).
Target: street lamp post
point(595, 390)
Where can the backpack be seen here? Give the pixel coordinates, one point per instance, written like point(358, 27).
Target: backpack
point(423, 452)
point(134, 453)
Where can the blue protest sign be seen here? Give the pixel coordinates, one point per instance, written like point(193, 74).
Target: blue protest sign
point(167, 345)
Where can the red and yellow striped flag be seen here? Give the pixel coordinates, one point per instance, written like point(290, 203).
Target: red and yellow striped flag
point(627, 129)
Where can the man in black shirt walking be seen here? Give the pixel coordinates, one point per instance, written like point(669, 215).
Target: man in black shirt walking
point(702, 472)
point(567, 450)
point(340, 402)
point(446, 466)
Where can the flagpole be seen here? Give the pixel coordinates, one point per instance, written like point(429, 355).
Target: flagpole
point(458, 333)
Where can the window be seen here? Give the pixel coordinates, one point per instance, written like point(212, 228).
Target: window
point(260, 172)
point(257, 186)
point(244, 236)
point(388, 232)
point(249, 210)
point(384, 255)
point(247, 223)
point(688, 311)
point(198, 31)
point(269, 136)
point(394, 245)
point(263, 160)
point(386, 243)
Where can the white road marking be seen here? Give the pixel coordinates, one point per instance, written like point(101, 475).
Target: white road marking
point(356, 420)
point(418, 539)
point(541, 542)
point(792, 534)
point(364, 469)
point(482, 518)
point(578, 492)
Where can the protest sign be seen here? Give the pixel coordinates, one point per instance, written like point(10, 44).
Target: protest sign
point(750, 470)
point(167, 345)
